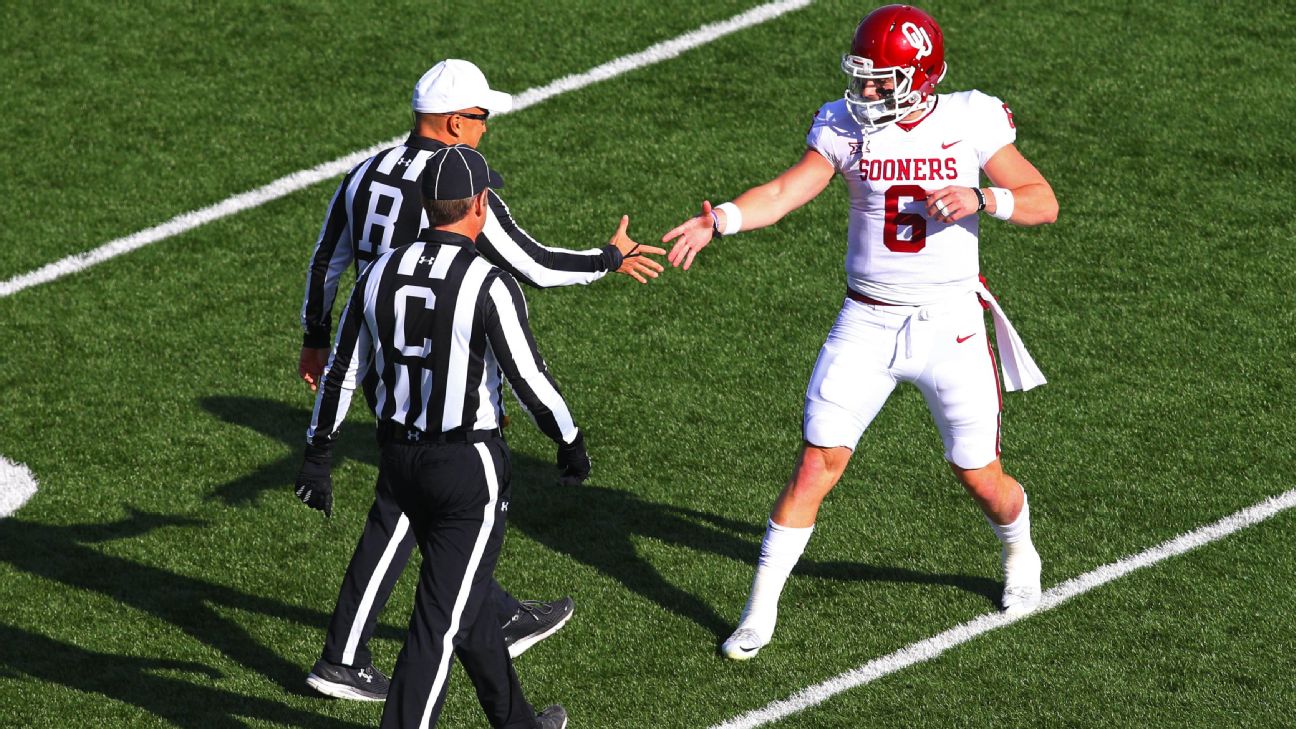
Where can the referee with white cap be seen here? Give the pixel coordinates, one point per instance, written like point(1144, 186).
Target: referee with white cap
point(376, 209)
point(441, 326)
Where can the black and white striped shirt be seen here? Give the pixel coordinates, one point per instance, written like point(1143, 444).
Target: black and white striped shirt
point(439, 324)
point(378, 207)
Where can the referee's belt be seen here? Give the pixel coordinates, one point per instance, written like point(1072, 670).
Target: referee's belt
point(389, 431)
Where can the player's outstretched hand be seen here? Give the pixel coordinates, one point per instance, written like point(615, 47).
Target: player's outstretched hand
point(314, 484)
point(310, 366)
point(693, 235)
point(634, 261)
point(573, 462)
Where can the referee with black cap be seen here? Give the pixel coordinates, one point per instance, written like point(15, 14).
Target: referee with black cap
point(441, 327)
point(376, 208)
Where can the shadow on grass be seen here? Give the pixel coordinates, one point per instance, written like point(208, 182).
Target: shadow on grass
point(62, 553)
point(594, 525)
point(598, 526)
point(286, 424)
point(185, 702)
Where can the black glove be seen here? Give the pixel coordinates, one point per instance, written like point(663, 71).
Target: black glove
point(573, 462)
point(314, 484)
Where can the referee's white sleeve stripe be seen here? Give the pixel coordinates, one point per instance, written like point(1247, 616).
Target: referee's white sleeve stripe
point(526, 360)
point(338, 249)
point(514, 255)
point(360, 357)
point(319, 243)
point(356, 360)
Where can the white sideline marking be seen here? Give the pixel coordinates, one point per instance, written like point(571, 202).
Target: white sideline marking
point(305, 178)
point(17, 485)
point(932, 647)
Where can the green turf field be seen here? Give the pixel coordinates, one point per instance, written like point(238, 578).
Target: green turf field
point(164, 575)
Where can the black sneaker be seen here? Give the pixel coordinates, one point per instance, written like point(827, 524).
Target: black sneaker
point(534, 621)
point(553, 717)
point(345, 682)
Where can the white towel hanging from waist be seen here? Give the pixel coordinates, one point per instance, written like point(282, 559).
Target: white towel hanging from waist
point(1019, 371)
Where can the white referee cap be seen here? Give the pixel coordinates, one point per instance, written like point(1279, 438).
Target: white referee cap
point(452, 85)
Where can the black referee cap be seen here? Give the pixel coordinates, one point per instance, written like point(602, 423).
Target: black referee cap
point(457, 172)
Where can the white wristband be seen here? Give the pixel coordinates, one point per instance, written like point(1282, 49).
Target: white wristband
point(733, 218)
point(1004, 203)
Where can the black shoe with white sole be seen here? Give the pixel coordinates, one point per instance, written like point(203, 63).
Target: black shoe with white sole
point(553, 717)
point(345, 682)
point(535, 621)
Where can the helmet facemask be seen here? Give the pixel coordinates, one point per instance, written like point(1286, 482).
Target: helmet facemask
point(892, 104)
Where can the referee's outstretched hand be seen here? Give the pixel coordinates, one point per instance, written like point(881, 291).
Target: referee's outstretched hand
point(573, 462)
point(634, 261)
point(314, 484)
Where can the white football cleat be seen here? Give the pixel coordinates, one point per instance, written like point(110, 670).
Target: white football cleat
point(743, 645)
point(1022, 589)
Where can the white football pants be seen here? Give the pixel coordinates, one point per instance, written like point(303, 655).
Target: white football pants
point(940, 348)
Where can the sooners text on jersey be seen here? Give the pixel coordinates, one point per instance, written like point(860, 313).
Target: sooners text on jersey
point(895, 252)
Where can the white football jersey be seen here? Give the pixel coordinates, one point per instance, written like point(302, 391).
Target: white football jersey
point(896, 253)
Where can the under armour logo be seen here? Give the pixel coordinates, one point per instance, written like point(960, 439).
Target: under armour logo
point(503, 506)
point(368, 677)
point(426, 259)
point(917, 38)
point(411, 435)
point(408, 162)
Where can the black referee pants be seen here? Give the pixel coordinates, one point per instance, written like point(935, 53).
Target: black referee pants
point(456, 498)
point(379, 559)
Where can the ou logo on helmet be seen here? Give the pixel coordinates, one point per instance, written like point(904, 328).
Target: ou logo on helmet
point(917, 38)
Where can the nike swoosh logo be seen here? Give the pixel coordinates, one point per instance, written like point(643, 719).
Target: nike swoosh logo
point(961, 340)
point(951, 144)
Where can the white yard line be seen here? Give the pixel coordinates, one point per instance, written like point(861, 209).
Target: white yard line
point(932, 647)
point(17, 486)
point(299, 180)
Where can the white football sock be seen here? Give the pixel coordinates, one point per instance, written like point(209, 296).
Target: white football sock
point(780, 550)
point(1016, 537)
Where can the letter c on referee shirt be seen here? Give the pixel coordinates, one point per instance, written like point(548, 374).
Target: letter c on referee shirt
point(403, 295)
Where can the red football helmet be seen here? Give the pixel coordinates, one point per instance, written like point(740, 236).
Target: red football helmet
point(898, 51)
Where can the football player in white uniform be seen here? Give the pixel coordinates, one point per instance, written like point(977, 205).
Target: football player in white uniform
point(913, 312)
